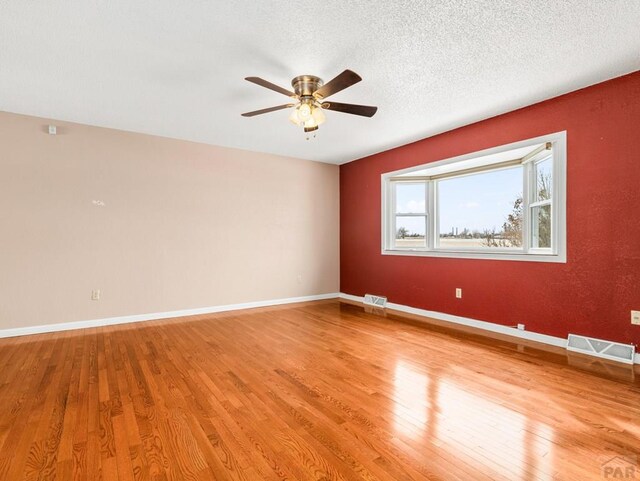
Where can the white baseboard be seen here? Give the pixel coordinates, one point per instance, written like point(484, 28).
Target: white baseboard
point(110, 321)
point(465, 321)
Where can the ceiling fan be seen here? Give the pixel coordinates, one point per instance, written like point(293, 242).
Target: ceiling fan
point(309, 97)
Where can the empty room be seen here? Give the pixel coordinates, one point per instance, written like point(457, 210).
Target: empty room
point(336, 241)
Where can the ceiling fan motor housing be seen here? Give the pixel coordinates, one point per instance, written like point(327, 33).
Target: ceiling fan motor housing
point(305, 85)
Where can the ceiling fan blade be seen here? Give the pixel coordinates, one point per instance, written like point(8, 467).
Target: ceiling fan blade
point(270, 86)
point(341, 82)
point(363, 110)
point(266, 111)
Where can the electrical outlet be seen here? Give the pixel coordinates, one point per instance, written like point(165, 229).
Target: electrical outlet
point(521, 327)
point(458, 293)
point(635, 318)
point(95, 295)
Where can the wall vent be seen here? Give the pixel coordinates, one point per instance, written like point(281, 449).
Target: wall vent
point(378, 301)
point(599, 348)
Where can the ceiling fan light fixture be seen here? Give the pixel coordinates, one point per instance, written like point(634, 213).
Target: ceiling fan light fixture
point(308, 115)
point(304, 111)
point(294, 118)
point(318, 115)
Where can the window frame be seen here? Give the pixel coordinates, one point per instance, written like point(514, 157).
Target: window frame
point(395, 215)
point(557, 252)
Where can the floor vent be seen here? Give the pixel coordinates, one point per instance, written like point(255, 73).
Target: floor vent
point(599, 348)
point(378, 301)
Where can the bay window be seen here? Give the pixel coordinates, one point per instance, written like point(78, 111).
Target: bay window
point(502, 203)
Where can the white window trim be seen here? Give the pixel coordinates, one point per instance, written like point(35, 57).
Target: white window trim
point(558, 209)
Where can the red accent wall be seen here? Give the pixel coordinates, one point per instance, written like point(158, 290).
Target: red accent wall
point(592, 294)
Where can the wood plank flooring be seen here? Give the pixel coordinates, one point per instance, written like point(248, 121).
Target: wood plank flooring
point(315, 391)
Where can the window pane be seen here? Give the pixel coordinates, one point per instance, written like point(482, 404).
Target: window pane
point(410, 231)
point(410, 198)
point(541, 226)
point(481, 210)
point(544, 172)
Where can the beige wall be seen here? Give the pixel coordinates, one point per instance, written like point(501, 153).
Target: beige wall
point(184, 225)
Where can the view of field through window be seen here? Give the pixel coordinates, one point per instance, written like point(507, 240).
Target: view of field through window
point(477, 211)
point(411, 228)
point(481, 210)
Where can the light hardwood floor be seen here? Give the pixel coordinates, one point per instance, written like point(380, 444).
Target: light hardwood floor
point(316, 391)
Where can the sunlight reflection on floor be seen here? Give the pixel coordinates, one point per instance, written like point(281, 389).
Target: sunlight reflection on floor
point(410, 407)
point(436, 409)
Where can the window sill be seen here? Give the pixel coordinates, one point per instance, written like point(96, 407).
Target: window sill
point(503, 256)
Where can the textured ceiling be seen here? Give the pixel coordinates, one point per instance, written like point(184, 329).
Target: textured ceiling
point(176, 69)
